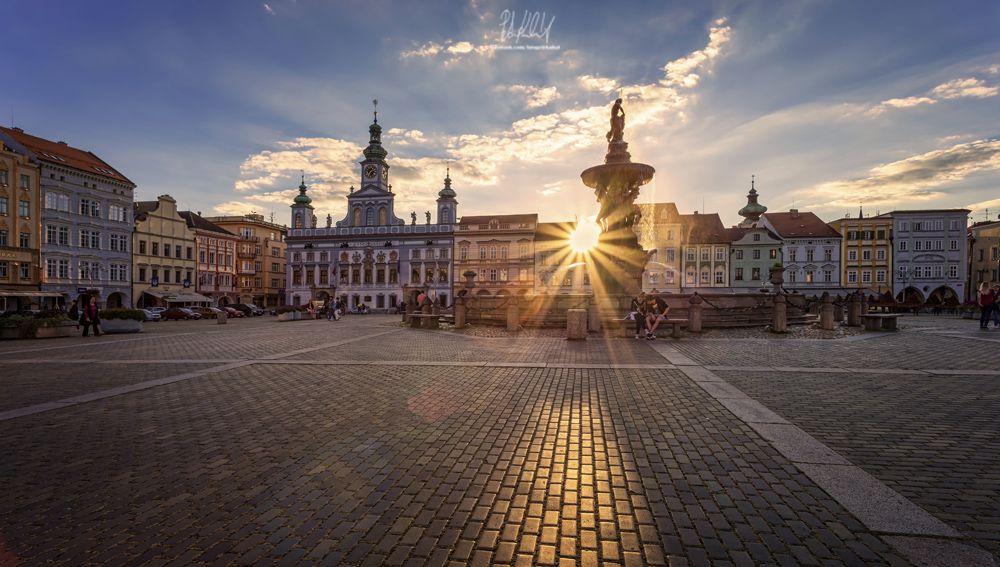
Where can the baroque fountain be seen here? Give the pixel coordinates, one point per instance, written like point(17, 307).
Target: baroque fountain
point(618, 261)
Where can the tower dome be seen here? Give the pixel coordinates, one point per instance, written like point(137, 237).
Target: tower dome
point(752, 211)
point(302, 198)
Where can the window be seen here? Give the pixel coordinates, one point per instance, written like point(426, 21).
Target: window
point(866, 254)
point(902, 246)
point(927, 245)
point(51, 200)
point(523, 252)
point(670, 234)
point(568, 278)
point(63, 268)
point(880, 254)
point(756, 254)
point(918, 245)
point(142, 274)
point(918, 225)
point(756, 237)
point(939, 244)
point(755, 274)
point(720, 277)
point(493, 252)
point(809, 255)
point(493, 274)
point(3, 238)
point(482, 252)
point(51, 268)
point(156, 249)
point(827, 275)
point(852, 235)
point(879, 276)
point(463, 253)
point(689, 277)
point(809, 276)
point(937, 272)
point(720, 253)
point(704, 255)
point(828, 255)
point(690, 257)
point(3, 265)
point(503, 253)
point(95, 240)
point(24, 209)
point(739, 255)
point(670, 255)
point(791, 255)
point(370, 217)
point(25, 181)
point(792, 277)
point(954, 245)
point(25, 271)
point(3, 205)
point(927, 271)
point(3, 177)
point(50, 234)
point(866, 276)
point(704, 276)
point(482, 274)
point(953, 270)
point(445, 216)
point(64, 236)
point(880, 234)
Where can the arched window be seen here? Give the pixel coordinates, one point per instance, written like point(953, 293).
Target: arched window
point(482, 252)
point(704, 276)
point(381, 216)
point(503, 252)
point(493, 252)
point(445, 216)
point(689, 276)
point(298, 220)
point(370, 217)
point(357, 217)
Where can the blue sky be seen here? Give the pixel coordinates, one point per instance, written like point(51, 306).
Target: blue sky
point(221, 104)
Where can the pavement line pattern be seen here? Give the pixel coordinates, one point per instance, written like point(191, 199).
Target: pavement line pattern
point(68, 402)
point(879, 507)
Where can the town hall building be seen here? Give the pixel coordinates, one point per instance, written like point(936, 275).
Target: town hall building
point(371, 256)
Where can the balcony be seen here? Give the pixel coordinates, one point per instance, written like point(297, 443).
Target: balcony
point(246, 271)
point(248, 255)
point(249, 239)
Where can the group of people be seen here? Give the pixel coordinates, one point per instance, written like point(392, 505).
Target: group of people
point(335, 311)
point(86, 316)
point(648, 311)
point(987, 298)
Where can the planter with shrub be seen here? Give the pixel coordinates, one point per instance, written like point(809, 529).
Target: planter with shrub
point(46, 324)
point(114, 321)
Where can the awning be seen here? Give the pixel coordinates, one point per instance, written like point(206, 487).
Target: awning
point(4, 293)
point(179, 296)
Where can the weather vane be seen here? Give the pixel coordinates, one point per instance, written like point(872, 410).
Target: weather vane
point(375, 102)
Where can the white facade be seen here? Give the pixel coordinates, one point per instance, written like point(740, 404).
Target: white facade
point(930, 253)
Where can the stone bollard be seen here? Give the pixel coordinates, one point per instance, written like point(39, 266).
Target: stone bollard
point(408, 311)
point(433, 323)
point(460, 313)
point(853, 311)
point(826, 313)
point(221, 319)
point(838, 310)
point(594, 315)
point(694, 313)
point(779, 322)
point(864, 304)
point(576, 324)
point(814, 306)
point(513, 322)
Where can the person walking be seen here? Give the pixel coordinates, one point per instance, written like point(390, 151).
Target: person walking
point(995, 307)
point(90, 319)
point(74, 314)
point(985, 298)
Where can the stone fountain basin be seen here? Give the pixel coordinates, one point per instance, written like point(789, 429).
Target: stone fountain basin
point(618, 174)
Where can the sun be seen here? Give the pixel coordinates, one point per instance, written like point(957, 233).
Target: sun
point(584, 238)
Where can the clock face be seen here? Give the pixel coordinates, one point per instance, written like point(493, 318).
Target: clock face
point(385, 173)
point(370, 171)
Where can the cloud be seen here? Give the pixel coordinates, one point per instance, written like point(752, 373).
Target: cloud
point(269, 10)
point(535, 97)
point(901, 103)
point(551, 188)
point(476, 159)
point(914, 178)
point(454, 50)
point(597, 83)
point(965, 88)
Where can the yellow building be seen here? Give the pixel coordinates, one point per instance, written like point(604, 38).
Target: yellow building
point(260, 258)
point(20, 230)
point(866, 254)
point(984, 256)
point(164, 262)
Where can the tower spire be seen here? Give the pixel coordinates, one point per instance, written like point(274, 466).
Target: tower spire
point(375, 102)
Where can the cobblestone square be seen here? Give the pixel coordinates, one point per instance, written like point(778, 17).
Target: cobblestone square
point(360, 442)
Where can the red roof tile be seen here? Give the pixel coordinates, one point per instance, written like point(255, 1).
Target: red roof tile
point(800, 225)
point(62, 154)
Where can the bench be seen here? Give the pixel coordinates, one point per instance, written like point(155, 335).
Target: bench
point(675, 324)
point(433, 321)
point(880, 322)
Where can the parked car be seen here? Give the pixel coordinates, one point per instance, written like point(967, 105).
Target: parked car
point(152, 315)
point(192, 311)
point(233, 312)
point(157, 309)
point(257, 311)
point(211, 312)
point(178, 313)
point(242, 308)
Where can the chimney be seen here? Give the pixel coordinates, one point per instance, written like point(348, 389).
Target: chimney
point(17, 129)
point(62, 142)
point(199, 213)
point(795, 213)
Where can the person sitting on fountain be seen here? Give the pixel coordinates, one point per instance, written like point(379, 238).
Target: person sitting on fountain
point(656, 311)
point(637, 312)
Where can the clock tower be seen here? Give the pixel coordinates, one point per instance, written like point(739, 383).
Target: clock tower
point(374, 169)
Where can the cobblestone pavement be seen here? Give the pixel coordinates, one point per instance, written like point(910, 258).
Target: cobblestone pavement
point(354, 443)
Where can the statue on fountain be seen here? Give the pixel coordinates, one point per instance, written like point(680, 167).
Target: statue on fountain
point(617, 123)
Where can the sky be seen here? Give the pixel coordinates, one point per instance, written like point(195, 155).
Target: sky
point(834, 106)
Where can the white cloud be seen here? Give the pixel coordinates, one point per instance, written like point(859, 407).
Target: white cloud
point(269, 10)
point(534, 97)
point(454, 50)
point(680, 72)
point(914, 178)
point(965, 88)
point(597, 83)
point(908, 102)
point(428, 50)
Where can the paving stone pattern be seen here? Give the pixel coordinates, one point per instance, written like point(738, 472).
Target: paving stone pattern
point(935, 440)
point(424, 456)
